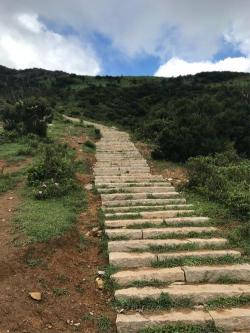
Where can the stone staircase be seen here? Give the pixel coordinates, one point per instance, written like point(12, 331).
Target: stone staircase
point(162, 248)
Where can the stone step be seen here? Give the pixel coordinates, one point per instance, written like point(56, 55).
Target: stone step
point(229, 320)
point(122, 171)
point(155, 232)
point(145, 259)
point(188, 274)
point(122, 185)
point(127, 178)
point(139, 189)
point(129, 196)
point(144, 208)
point(151, 214)
point(155, 222)
point(139, 202)
point(145, 244)
point(124, 278)
point(232, 319)
point(198, 293)
point(236, 273)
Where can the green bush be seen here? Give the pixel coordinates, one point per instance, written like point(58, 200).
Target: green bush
point(224, 178)
point(53, 174)
point(30, 115)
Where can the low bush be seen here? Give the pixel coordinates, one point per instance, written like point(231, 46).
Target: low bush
point(53, 174)
point(223, 177)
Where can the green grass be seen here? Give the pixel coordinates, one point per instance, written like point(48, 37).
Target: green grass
point(191, 234)
point(11, 149)
point(9, 181)
point(163, 302)
point(42, 220)
point(89, 146)
point(228, 302)
point(196, 261)
point(182, 328)
point(147, 283)
point(58, 292)
point(82, 166)
point(104, 324)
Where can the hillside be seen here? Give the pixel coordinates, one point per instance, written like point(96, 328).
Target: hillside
point(183, 117)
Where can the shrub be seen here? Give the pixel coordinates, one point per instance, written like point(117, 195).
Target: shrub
point(222, 177)
point(53, 174)
point(27, 116)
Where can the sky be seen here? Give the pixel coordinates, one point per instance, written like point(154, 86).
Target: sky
point(164, 38)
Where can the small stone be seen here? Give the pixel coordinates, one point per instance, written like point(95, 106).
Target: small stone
point(199, 307)
point(37, 296)
point(11, 198)
point(101, 273)
point(77, 324)
point(100, 283)
point(88, 187)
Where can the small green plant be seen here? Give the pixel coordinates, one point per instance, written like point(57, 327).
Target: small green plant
point(89, 146)
point(182, 328)
point(163, 302)
point(104, 324)
point(58, 292)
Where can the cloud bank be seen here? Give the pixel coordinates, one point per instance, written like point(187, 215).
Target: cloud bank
point(29, 43)
point(175, 67)
point(191, 31)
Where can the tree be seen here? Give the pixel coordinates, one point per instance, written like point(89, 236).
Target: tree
point(30, 115)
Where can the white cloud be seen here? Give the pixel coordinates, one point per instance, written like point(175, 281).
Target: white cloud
point(175, 66)
point(27, 43)
point(191, 30)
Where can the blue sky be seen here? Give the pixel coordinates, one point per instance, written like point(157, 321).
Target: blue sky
point(136, 37)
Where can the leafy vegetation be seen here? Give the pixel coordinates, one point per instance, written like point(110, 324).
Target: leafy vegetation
point(30, 115)
point(224, 178)
point(182, 328)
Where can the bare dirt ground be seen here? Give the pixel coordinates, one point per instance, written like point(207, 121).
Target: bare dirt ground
point(63, 270)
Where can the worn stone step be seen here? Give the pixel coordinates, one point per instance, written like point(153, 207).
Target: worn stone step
point(155, 232)
point(144, 208)
point(229, 320)
point(145, 259)
point(122, 185)
point(232, 319)
point(156, 222)
point(139, 189)
point(198, 293)
point(199, 254)
point(124, 278)
point(151, 214)
point(139, 202)
point(122, 171)
point(131, 260)
point(240, 272)
point(129, 196)
point(127, 178)
point(145, 244)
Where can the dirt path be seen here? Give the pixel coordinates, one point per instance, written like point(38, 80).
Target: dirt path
point(63, 270)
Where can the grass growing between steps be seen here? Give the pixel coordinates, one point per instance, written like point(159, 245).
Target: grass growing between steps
point(198, 261)
point(166, 225)
point(147, 283)
point(191, 234)
point(182, 328)
point(179, 247)
point(42, 220)
point(163, 302)
point(228, 302)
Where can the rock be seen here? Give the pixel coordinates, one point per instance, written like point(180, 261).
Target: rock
point(101, 273)
point(100, 283)
point(36, 295)
point(11, 198)
point(88, 187)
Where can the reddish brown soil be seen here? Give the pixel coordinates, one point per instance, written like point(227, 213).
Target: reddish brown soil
point(63, 266)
